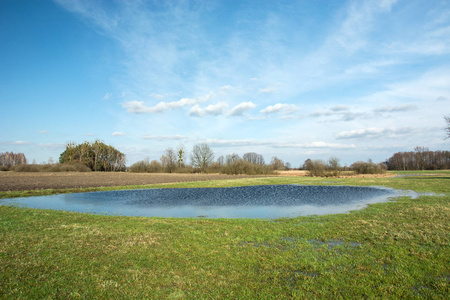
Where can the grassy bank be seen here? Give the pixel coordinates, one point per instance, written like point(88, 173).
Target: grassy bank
point(395, 249)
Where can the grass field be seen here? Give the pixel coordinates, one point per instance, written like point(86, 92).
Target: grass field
point(398, 249)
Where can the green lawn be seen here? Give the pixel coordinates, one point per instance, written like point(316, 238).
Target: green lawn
point(398, 249)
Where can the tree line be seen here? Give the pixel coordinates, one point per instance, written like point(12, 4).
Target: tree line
point(11, 159)
point(202, 159)
point(419, 159)
point(97, 156)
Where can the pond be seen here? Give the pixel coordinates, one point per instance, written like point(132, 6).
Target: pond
point(265, 201)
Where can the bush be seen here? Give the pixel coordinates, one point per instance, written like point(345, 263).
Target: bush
point(316, 167)
point(144, 166)
point(361, 167)
point(241, 166)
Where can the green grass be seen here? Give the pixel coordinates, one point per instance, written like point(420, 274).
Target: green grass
point(398, 249)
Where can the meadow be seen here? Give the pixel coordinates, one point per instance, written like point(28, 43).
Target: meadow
point(398, 249)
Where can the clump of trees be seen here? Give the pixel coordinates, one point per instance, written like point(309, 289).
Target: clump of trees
point(11, 159)
point(97, 156)
point(202, 160)
point(321, 168)
point(361, 167)
point(251, 163)
point(419, 159)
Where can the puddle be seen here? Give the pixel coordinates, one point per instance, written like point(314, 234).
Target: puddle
point(266, 201)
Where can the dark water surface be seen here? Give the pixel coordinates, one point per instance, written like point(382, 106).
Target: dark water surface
point(265, 201)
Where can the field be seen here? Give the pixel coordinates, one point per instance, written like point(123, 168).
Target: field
point(399, 249)
point(12, 181)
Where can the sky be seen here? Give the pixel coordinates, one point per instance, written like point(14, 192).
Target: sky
point(356, 80)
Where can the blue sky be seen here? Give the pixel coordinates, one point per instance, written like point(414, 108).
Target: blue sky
point(292, 79)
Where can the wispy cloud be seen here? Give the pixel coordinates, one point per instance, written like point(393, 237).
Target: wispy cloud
point(210, 110)
point(399, 108)
point(16, 143)
point(267, 90)
point(107, 96)
point(250, 143)
point(164, 137)
point(239, 109)
point(340, 112)
point(52, 145)
point(280, 108)
point(374, 133)
point(118, 133)
point(138, 107)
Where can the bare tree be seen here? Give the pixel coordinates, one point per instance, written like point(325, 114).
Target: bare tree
point(254, 158)
point(10, 159)
point(447, 126)
point(221, 161)
point(333, 164)
point(421, 153)
point(169, 160)
point(231, 158)
point(202, 156)
point(276, 163)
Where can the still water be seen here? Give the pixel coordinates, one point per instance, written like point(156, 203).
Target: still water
point(265, 201)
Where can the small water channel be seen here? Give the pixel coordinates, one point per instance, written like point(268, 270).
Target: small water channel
point(265, 201)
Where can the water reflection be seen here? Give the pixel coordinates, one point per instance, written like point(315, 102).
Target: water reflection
point(267, 201)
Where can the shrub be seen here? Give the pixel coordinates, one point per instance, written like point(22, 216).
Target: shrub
point(241, 166)
point(144, 166)
point(361, 167)
point(316, 167)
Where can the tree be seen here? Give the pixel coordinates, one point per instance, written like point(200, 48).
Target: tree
point(181, 155)
point(202, 156)
point(169, 160)
point(97, 156)
point(333, 164)
point(306, 164)
point(254, 158)
point(447, 128)
point(231, 158)
point(315, 167)
point(276, 163)
point(421, 153)
point(221, 161)
point(11, 159)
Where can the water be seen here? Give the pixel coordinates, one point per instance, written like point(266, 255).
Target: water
point(266, 201)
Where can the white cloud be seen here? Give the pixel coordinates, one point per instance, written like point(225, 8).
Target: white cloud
point(250, 143)
point(374, 133)
point(43, 131)
point(118, 133)
point(164, 137)
point(315, 145)
point(239, 109)
point(341, 111)
point(235, 143)
point(267, 90)
point(17, 143)
point(280, 107)
point(212, 109)
point(138, 107)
